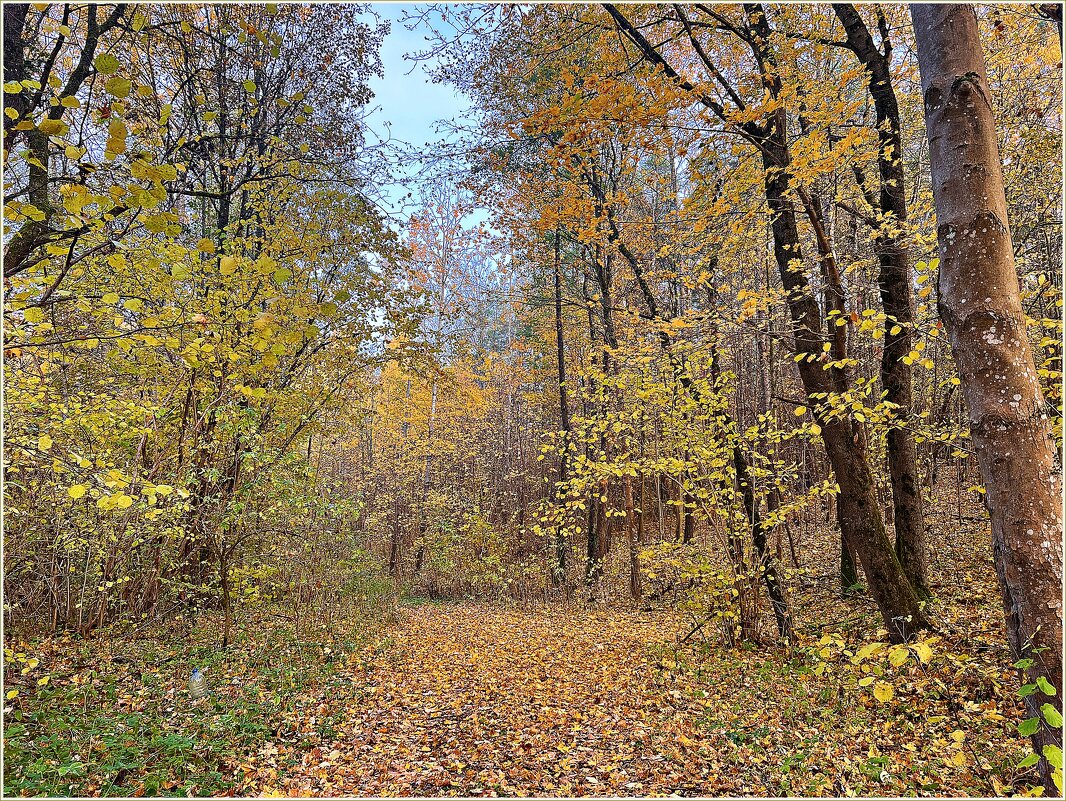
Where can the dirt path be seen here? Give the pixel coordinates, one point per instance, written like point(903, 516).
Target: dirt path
point(473, 700)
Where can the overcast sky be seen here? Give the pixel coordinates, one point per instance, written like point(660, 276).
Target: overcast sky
point(409, 103)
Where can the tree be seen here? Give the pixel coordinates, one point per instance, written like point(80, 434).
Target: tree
point(981, 308)
point(894, 282)
point(859, 513)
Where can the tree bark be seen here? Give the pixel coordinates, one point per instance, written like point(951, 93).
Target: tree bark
point(14, 68)
point(897, 299)
point(980, 304)
point(559, 573)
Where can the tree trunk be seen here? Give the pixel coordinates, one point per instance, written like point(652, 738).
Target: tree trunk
point(14, 69)
point(633, 529)
point(559, 573)
point(980, 304)
point(894, 283)
point(858, 510)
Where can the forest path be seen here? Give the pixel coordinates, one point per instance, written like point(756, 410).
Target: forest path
point(478, 700)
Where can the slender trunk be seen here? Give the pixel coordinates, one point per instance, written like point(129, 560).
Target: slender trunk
point(767, 567)
point(894, 283)
point(636, 536)
point(980, 304)
point(849, 575)
point(592, 563)
point(559, 573)
point(227, 601)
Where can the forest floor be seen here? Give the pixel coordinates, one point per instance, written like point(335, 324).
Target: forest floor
point(472, 700)
point(469, 699)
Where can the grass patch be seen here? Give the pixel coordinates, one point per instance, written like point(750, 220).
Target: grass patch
point(113, 716)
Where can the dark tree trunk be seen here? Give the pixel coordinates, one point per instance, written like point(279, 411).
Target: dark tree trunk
point(860, 514)
point(14, 68)
point(894, 283)
point(559, 573)
point(858, 510)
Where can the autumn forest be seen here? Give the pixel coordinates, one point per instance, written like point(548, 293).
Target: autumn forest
point(679, 414)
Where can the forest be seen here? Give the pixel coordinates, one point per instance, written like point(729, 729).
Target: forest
point(684, 419)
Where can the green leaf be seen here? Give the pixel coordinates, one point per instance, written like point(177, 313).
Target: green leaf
point(1029, 761)
point(1053, 754)
point(1028, 727)
point(282, 275)
point(106, 64)
point(1045, 686)
point(1052, 716)
point(1026, 690)
point(1024, 664)
point(249, 86)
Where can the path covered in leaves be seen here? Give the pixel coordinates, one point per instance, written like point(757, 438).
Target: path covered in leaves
point(476, 700)
point(471, 700)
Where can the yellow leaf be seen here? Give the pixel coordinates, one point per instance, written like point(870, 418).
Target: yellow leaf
point(44, 442)
point(76, 491)
point(883, 692)
point(227, 265)
point(118, 87)
point(50, 127)
point(43, 681)
point(800, 411)
point(11, 694)
point(923, 652)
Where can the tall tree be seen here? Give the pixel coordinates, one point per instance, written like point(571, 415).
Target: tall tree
point(859, 513)
point(894, 283)
point(980, 305)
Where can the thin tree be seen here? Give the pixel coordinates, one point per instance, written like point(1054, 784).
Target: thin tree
point(894, 283)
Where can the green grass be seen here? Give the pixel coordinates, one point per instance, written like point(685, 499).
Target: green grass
point(116, 719)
